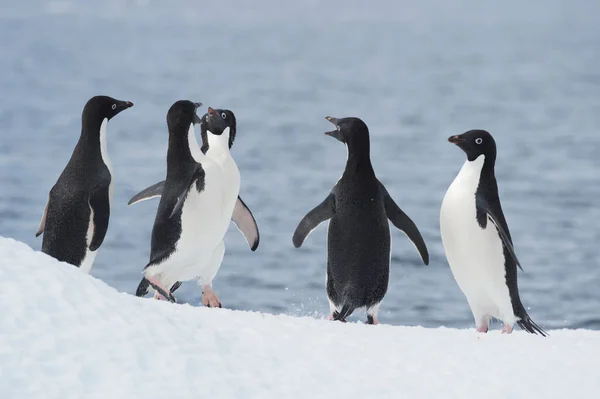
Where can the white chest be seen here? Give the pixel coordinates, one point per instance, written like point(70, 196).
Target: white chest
point(105, 158)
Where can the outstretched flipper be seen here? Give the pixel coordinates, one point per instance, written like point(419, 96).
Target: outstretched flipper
point(153, 191)
point(322, 212)
point(100, 205)
point(42, 225)
point(485, 211)
point(404, 223)
point(246, 224)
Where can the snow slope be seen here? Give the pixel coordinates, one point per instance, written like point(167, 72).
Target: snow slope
point(64, 334)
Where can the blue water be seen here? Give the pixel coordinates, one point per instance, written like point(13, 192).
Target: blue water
point(416, 72)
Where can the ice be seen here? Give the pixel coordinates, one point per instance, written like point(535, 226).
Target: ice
point(64, 334)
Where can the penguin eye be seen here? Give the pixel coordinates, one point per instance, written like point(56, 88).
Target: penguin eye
point(223, 115)
point(478, 140)
point(114, 106)
point(338, 128)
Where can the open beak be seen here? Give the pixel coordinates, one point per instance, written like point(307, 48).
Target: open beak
point(334, 133)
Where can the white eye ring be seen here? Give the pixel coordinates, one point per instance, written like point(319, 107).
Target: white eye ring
point(478, 140)
point(338, 128)
point(114, 106)
point(223, 115)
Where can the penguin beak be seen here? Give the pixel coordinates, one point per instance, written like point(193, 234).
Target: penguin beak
point(458, 140)
point(212, 112)
point(128, 104)
point(337, 134)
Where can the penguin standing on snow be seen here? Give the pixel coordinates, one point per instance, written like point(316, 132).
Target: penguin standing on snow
point(358, 241)
point(218, 129)
point(477, 241)
point(185, 236)
point(76, 216)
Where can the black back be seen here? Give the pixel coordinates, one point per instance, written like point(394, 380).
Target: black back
point(182, 172)
point(215, 121)
point(83, 183)
point(358, 241)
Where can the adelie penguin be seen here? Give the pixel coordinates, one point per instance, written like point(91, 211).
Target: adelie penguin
point(218, 130)
point(358, 242)
point(186, 238)
point(77, 213)
point(477, 240)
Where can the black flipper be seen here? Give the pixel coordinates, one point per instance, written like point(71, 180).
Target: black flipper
point(322, 212)
point(101, 207)
point(246, 224)
point(153, 191)
point(184, 190)
point(404, 223)
point(484, 211)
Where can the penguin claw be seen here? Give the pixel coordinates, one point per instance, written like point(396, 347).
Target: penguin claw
point(507, 329)
point(210, 299)
point(160, 292)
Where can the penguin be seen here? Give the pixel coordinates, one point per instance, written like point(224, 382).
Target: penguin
point(218, 129)
point(358, 241)
point(185, 237)
point(75, 219)
point(477, 241)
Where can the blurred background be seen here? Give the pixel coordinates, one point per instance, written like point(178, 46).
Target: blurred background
point(415, 71)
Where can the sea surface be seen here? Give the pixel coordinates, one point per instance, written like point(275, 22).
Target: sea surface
point(415, 71)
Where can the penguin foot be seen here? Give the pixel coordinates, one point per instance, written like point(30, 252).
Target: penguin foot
point(209, 298)
point(160, 289)
point(507, 329)
point(372, 320)
point(482, 329)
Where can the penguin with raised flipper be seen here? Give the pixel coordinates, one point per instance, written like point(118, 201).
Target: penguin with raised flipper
point(358, 241)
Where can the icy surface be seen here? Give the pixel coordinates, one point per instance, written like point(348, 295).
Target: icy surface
point(64, 334)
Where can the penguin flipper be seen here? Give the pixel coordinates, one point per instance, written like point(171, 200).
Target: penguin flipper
point(246, 224)
point(196, 177)
point(322, 212)
point(404, 223)
point(101, 208)
point(483, 208)
point(153, 191)
point(42, 225)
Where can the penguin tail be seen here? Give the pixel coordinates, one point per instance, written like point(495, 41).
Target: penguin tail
point(529, 325)
point(343, 313)
point(142, 288)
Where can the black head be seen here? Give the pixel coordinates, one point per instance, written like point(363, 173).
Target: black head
point(99, 108)
point(475, 143)
point(216, 121)
point(181, 115)
point(348, 130)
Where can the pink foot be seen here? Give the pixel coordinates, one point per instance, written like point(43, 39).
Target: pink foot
point(158, 296)
point(209, 298)
point(507, 329)
point(372, 320)
point(330, 317)
point(482, 329)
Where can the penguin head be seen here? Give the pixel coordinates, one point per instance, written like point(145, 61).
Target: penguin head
point(475, 143)
point(99, 108)
point(219, 124)
point(348, 130)
point(182, 114)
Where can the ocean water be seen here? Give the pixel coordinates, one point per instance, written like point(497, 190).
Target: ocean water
point(415, 72)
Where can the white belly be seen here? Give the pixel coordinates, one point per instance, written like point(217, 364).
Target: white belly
point(230, 187)
point(475, 255)
point(200, 222)
point(90, 256)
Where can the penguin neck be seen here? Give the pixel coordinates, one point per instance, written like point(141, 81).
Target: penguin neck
point(218, 144)
point(93, 141)
point(183, 149)
point(359, 158)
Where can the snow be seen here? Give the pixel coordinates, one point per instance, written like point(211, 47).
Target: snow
point(65, 334)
